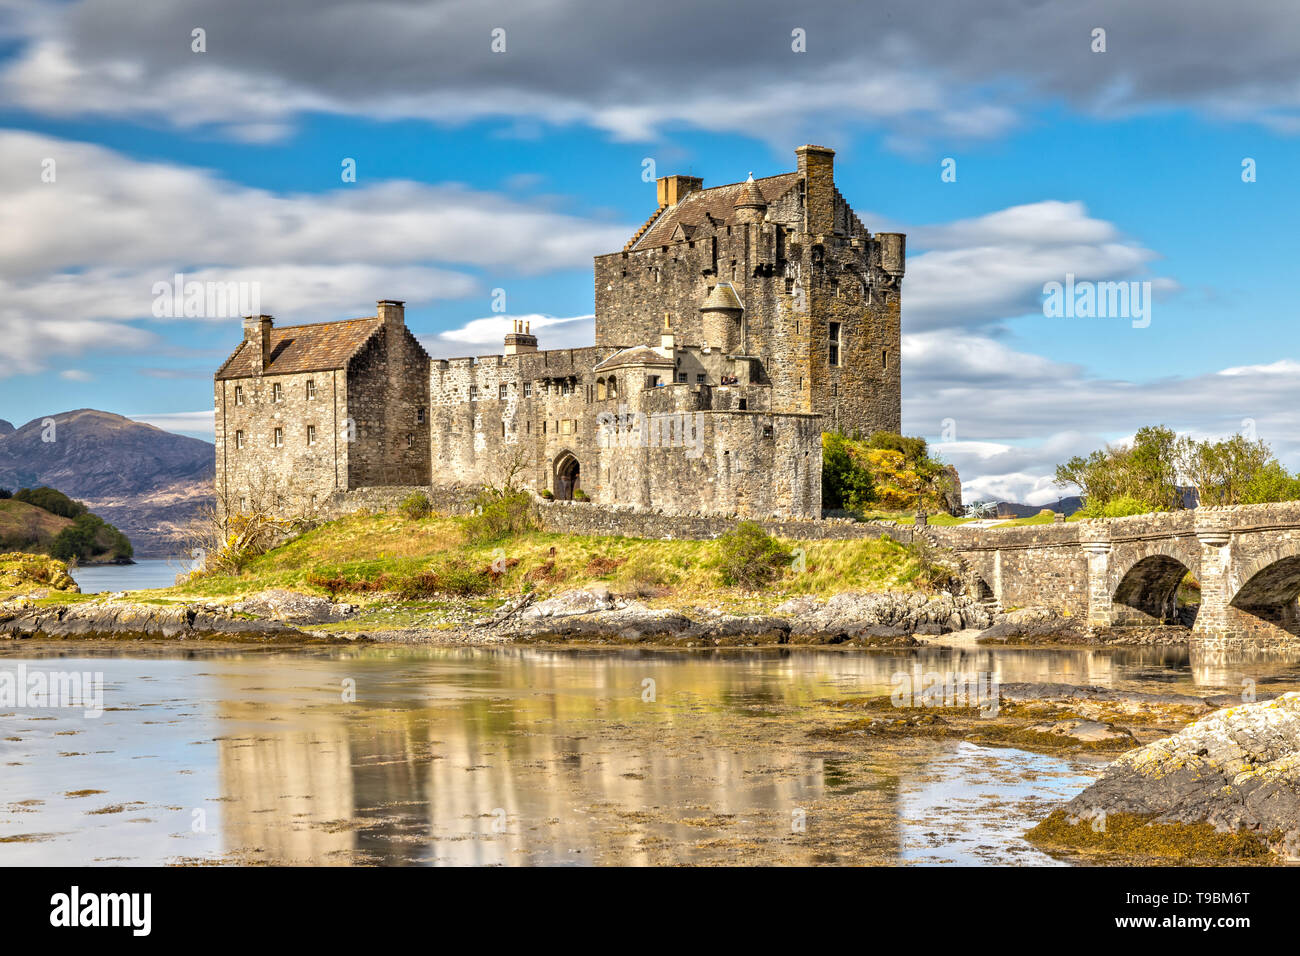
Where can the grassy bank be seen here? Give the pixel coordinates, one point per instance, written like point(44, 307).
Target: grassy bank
point(361, 557)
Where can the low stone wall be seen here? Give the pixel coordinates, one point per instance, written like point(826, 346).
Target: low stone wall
point(572, 517)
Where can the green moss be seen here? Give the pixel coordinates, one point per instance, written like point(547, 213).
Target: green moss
point(1140, 837)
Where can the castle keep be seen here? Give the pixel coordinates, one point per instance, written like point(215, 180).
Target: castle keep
point(736, 325)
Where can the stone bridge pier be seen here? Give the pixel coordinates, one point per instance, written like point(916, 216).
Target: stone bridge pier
point(1128, 571)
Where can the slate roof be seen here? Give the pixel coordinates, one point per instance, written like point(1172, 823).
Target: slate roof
point(305, 348)
point(717, 203)
point(636, 355)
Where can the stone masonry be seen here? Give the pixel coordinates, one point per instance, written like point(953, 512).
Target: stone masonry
point(738, 324)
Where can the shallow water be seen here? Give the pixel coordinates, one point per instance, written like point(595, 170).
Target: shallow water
point(145, 573)
point(523, 756)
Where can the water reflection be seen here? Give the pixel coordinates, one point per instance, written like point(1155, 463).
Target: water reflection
point(510, 756)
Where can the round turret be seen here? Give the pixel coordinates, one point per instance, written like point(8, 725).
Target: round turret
point(720, 317)
point(750, 204)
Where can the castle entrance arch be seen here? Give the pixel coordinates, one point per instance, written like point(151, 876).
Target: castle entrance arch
point(567, 475)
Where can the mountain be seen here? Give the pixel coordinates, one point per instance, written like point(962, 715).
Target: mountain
point(1067, 505)
point(6, 428)
point(148, 482)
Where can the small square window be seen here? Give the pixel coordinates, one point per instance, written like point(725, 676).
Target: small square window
point(311, 434)
point(239, 394)
point(277, 392)
point(419, 415)
point(278, 438)
point(239, 438)
point(410, 441)
point(311, 390)
point(473, 392)
point(501, 391)
point(528, 389)
point(700, 378)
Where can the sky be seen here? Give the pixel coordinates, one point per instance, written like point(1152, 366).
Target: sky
point(497, 147)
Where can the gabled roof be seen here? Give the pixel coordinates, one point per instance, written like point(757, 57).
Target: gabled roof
point(305, 348)
point(717, 203)
point(636, 355)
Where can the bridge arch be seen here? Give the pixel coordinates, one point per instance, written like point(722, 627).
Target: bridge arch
point(1266, 589)
point(1145, 583)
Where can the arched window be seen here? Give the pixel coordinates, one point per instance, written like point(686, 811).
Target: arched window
point(600, 389)
point(612, 387)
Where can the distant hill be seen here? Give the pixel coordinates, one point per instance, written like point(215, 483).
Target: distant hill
point(146, 481)
point(6, 428)
point(1067, 506)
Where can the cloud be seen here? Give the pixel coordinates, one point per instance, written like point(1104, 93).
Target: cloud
point(486, 336)
point(191, 423)
point(65, 291)
point(984, 270)
point(925, 70)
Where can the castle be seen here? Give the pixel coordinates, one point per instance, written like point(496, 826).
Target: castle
point(735, 326)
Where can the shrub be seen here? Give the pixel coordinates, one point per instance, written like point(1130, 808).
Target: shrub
point(749, 557)
point(1116, 508)
point(932, 571)
point(55, 502)
point(846, 484)
point(547, 494)
point(415, 506)
point(500, 514)
point(580, 495)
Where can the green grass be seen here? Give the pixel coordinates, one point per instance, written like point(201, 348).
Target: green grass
point(358, 554)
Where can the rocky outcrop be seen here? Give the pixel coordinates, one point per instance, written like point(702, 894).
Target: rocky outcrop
point(857, 617)
point(34, 575)
point(594, 614)
point(137, 622)
point(279, 604)
point(1043, 625)
point(1237, 770)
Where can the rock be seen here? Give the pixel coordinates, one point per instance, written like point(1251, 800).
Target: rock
point(1234, 769)
point(280, 604)
point(583, 601)
point(866, 618)
point(135, 621)
point(1085, 731)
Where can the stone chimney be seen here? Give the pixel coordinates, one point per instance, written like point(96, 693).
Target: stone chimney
point(392, 313)
point(666, 338)
point(521, 339)
point(672, 189)
point(257, 332)
point(817, 166)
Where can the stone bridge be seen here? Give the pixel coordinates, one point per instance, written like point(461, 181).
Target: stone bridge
point(1122, 571)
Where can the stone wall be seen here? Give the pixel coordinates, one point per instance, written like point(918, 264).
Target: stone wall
point(388, 391)
point(296, 475)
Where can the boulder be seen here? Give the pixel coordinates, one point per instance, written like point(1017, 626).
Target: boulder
point(1236, 769)
point(280, 604)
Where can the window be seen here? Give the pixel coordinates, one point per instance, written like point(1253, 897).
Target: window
point(528, 389)
point(600, 389)
point(311, 390)
point(501, 391)
point(612, 388)
point(419, 415)
point(243, 504)
point(239, 394)
point(410, 441)
point(473, 392)
point(278, 439)
point(743, 404)
point(311, 434)
point(884, 358)
point(277, 392)
point(835, 343)
point(654, 381)
point(700, 378)
point(682, 378)
point(566, 388)
point(239, 438)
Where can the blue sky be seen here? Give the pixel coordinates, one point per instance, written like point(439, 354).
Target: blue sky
point(480, 170)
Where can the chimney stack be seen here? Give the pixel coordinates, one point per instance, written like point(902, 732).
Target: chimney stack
point(392, 312)
point(673, 189)
point(257, 332)
point(817, 165)
point(520, 340)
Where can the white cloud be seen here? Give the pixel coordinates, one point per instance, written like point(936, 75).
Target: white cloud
point(200, 424)
point(486, 336)
point(65, 291)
